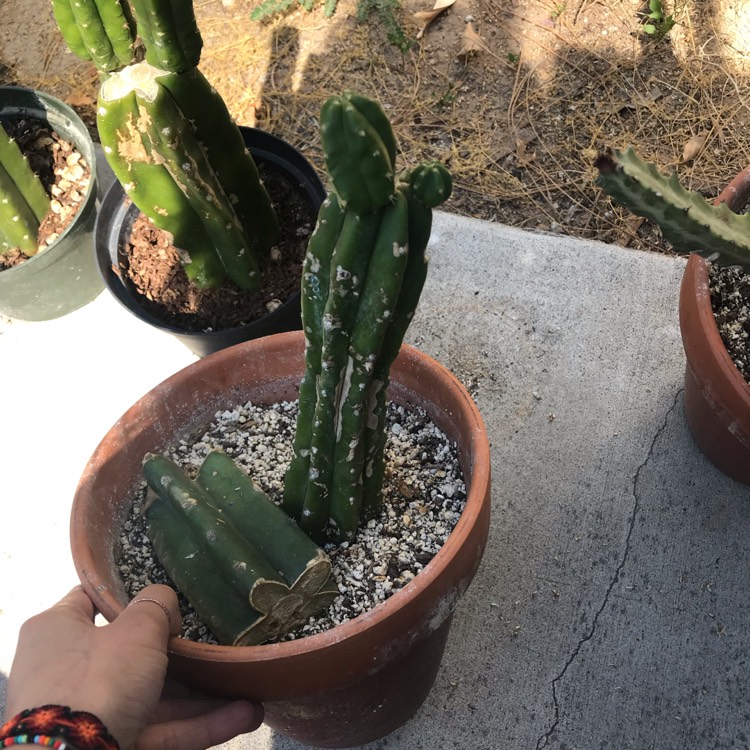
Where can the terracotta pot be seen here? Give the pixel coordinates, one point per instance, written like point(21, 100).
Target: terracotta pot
point(717, 396)
point(360, 680)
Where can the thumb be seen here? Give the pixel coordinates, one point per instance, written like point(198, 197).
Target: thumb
point(153, 611)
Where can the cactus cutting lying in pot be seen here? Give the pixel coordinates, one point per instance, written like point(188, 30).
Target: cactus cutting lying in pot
point(717, 393)
point(243, 564)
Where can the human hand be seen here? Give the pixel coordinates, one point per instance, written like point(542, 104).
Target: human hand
point(117, 672)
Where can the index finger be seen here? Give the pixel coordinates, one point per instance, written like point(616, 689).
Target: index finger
point(154, 607)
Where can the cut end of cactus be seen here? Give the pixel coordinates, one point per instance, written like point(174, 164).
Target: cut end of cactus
point(139, 78)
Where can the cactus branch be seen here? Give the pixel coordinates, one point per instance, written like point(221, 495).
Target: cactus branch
point(23, 200)
point(686, 219)
point(169, 33)
point(315, 281)
point(348, 268)
point(380, 293)
point(169, 139)
point(424, 188)
point(358, 159)
point(98, 30)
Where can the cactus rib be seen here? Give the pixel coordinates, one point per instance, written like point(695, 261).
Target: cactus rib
point(97, 30)
point(169, 33)
point(686, 219)
point(380, 292)
point(185, 160)
point(315, 281)
point(348, 268)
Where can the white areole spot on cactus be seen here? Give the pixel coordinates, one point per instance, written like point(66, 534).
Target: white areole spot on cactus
point(140, 78)
point(399, 250)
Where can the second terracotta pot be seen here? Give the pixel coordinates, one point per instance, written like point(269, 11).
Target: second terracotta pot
point(717, 396)
point(352, 684)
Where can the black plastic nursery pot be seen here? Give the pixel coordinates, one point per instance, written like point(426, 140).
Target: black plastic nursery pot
point(64, 276)
point(115, 221)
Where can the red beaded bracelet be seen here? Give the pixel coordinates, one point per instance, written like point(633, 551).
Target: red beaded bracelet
point(59, 727)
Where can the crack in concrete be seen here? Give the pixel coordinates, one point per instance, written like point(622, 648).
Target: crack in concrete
point(545, 738)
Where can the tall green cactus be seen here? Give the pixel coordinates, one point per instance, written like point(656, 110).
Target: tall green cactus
point(686, 219)
point(362, 278)
point(169, 137)
point(23, 200)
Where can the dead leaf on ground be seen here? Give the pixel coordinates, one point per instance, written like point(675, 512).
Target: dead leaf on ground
point(523, 158)
point(472, 42)
point(632, 224)
point(80, 100)
point(426, 17)
point(693, 147)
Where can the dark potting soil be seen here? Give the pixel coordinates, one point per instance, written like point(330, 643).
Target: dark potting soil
point(730, 301)
point(424, 495)
point(153, 266)
point(63, 171)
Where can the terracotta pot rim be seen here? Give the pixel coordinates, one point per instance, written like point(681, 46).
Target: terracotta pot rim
point(476, 497)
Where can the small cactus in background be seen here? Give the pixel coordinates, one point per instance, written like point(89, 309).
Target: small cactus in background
point(362, 278)
point(686, 219)
point(23, 200)
point(169, 137)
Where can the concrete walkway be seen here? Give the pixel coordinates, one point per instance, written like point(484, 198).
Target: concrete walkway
point(611, 609)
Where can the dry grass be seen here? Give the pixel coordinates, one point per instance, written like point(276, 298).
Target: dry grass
point(518, 125)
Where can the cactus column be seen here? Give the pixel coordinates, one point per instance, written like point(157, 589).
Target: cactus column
point(361, 283)
point(169, 137)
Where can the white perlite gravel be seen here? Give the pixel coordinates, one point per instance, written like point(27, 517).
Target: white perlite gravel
point(424, 496)
point(730, 301)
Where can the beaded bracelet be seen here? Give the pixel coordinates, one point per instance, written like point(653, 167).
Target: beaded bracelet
point(59, 727)
point(35, 739)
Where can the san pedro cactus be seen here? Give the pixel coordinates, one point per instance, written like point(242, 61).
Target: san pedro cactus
point(23, 200)
point(242, 563)
point(362, 277)
point(686, 219)
point(169, 137)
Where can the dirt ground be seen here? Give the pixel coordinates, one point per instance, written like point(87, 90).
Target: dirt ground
point(518, 120)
